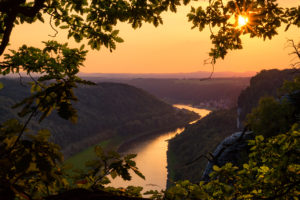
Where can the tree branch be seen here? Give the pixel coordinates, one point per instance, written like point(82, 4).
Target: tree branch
point(9, 23)
point(31, 11)
point(12, 9)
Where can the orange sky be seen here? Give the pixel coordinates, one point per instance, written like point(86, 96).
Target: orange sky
point(172, 47)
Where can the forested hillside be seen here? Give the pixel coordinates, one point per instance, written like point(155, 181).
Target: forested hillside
point(265, 83)
point(198, 139)
point(107, 110)
point(214, 93)
point(203, 137)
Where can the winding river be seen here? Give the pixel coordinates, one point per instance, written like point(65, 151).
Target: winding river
point(152, 158)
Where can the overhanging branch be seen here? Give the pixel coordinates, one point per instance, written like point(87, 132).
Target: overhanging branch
point(13, 8)
point(9, 23)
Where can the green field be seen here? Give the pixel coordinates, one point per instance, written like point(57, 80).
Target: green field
point(78, 160)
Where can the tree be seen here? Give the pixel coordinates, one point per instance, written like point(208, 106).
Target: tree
point(32, 165)
point(271, 117)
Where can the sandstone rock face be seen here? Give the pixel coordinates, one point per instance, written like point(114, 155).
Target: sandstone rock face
point(232, 149)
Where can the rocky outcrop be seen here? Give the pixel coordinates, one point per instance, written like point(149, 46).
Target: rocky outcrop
point(232, 149)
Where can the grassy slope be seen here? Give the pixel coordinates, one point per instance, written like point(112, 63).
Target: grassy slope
point(78, 160)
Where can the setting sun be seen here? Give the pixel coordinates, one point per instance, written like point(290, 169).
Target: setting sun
point(242, 20)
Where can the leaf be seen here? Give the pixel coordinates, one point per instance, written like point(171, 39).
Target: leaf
point(118, 39)
point(113, 174)
point(216, 168)
point(64, 27)
point(44, 135)
point(115, 33)
point(137, 172)
point(130, 156)
point(81, 47)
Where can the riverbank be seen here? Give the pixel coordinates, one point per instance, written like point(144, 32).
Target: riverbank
point(198, 139)
point(152, 158)
point(123, 143)
point(130, 143)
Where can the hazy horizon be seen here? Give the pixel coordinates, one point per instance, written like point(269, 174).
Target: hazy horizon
point(196, 74)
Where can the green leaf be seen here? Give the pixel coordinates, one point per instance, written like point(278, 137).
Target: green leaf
point(115, 33)
point(216, 168)
point(118, 39)
point(130, 156)
point(113, 174)
point(64, 27)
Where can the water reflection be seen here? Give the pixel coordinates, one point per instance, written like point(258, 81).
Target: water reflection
point(152, 158)
point(200, 111)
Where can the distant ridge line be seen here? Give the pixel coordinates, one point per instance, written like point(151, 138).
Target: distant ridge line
point(190, 75)
point(200, 74)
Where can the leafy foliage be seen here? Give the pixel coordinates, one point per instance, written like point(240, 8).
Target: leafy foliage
point(94, 20)
point(271, 117)
point(111, 163)
point(265, 17)
point(277, 115)
point(31, 165)
point(55, 62)
point(266, 83)
point(272, 172)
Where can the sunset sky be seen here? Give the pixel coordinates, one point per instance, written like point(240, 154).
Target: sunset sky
point(170, 48)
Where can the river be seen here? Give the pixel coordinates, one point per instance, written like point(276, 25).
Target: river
point(152, 158)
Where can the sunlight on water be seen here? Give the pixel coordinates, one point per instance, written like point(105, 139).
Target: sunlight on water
point(200, 111)
point(152, 158)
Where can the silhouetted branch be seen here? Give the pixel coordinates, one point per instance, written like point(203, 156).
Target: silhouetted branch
point(294, 46)
point(12, 9)
point(198, 158)
point(56, 32)
point(21, 80)
point(9, 23)
point(212, 62)
point(246, 128)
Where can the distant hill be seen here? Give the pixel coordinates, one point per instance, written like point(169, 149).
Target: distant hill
point(184, 88)
point(106, 111)
point(198, 74)
point(212, 93)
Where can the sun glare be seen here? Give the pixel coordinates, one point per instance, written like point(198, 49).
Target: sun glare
point(242, 21)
